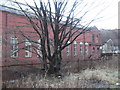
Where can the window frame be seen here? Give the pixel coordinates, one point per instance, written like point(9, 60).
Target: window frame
point(14, 46)
point(75, 48)
point(93, 38)
point(86, 49)
point(68, 49)
point(39, 52)
point(81, 48)
point(28, 53)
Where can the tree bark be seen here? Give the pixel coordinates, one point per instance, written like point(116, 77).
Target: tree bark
point(55, 64)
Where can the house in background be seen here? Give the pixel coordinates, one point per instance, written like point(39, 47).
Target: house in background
point(109, 41)
point(86, 46)
point(108, 47)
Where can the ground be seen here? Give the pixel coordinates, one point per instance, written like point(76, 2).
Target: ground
point(103, 75)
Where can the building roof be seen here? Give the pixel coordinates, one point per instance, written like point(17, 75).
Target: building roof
point(11, 10)
point(19, 12)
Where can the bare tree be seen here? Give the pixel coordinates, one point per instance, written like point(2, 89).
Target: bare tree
point(53, 18)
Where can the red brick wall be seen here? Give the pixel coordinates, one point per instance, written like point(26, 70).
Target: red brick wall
point(12, 23)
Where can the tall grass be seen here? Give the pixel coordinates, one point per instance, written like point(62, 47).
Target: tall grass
point(106, 72)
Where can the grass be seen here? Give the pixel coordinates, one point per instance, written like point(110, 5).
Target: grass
point(105, 73)
point(110, 76)
point(114, 86)
point(79, 80)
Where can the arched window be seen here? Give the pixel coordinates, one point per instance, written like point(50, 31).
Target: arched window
point(28, 48)
point(97, 39)
point(75, 48)
point(81, 48)
point(39, 49)
point(14, 46)
point(68, 49)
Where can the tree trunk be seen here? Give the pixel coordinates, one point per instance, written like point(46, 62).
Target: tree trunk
point(44, 59)
point(55, 64)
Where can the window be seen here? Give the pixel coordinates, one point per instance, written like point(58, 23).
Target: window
point(14, 46)
point(75, 48)
point(68, 49)
point(86, 49)
point(93, 38)
point(39, 49)
point(28, 49)
point(81, 48)
point(98, 48)
point(97, 39)
point(93, 50)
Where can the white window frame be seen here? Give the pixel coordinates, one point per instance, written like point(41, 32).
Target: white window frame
point(28, 53)
point(75, 48)
point(39, 53)
point(81, 48)
point(86, 49)
point(14, 45)
point(68, 49)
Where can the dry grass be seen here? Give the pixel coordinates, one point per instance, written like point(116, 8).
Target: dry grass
point(108, 75)
point(79, 80)
point(105, 73)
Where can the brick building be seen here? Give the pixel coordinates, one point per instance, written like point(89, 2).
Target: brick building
point(86, 46)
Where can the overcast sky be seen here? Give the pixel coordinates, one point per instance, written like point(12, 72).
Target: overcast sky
point(110, 14)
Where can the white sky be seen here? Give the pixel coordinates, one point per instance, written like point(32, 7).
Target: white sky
point(110, 14)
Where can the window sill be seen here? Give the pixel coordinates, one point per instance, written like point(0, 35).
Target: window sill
point(14, 56)
point(28, 56)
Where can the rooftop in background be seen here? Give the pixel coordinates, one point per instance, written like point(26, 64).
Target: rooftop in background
point(109, 34)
